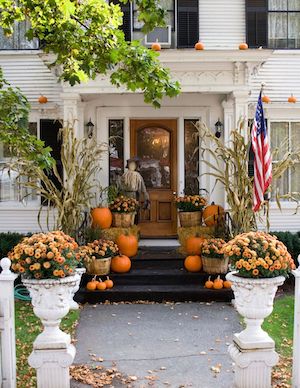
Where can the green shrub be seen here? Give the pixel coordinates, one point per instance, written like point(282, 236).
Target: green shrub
point(291, 241)
point(8, 241)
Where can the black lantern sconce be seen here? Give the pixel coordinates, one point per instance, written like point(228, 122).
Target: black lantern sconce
point(90, 129)
point(218, 128)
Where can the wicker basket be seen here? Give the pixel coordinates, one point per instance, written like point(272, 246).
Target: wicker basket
point(215, 265)
point(123, 220)
point(98, 266)
point(188, 219)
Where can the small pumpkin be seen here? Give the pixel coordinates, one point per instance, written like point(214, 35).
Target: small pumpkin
point(292, 99)
point(266, 99)
point(120, 264)
point(92, 284)
point(156, 46)
point(101, 286)
point(218, 283)
point(209, 283)
point(212, 213)
point(43, 99)
point(243, 46)
point(128, 244)
point(193, 263)
point(193, 245)
point(101, 217)
point(109, 283)
point(199, 46)
point(227, 284)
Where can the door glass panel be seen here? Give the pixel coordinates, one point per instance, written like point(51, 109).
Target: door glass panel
point(153, 148)
point(116, 150)
point(191, 157)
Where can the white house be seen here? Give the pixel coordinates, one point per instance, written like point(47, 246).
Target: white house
point(219, 83)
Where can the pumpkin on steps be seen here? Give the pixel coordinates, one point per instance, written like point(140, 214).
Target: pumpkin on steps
point(209, 283)
point(120, 264)
point(109, 283)
point(101, 217)
point(193, 263)
point(218, 283)
point(92, 284)
point(193, 245)
point(212, 214)
point(227, 284)
point(101, 286)
point(128, 244)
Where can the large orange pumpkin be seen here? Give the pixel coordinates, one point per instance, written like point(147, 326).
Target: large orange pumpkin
point(193, 245)
point(120, 264)
point(193, 263)
point(128, 244)
point(212, 213)
point(101, 217)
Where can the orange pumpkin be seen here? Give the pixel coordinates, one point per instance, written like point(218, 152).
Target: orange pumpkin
point(109, 283)
point(156, 46)
point(292, 99)
point(120, 264)
point(128, 244)
point(199, 46)
point(43, 99)
point(193, 245)
point(193, 263)
point(101, 286)
point(92, 285)
point(212, 213)
point(227, 284)
point(266, 99)
point(243, 46)
point(101, 217)
point(218, 283)
point(209, 283)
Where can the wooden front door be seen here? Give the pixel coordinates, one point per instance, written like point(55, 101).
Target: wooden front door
point(155, 143)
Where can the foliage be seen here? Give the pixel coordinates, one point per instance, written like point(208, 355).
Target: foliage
point(91, 234)
point(80, 160)
point(190, 203)
point(259, 255)
point(124, 205)
point(14, 133)
point(291, 241)
point(45, 256)
point(28, 326)
point(8, 241)
point(229, 166)
point(86, 40)
point(213, 247)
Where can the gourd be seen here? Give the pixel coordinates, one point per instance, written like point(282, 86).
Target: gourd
point(193, 245)
point(199, 46)
point(292, 99)
point(128, 244)
point(212, 213)
point(156, 46)
point(101, 286)
point(243, 46)
point(193, 263)
point(227, 284)
point(218, 283)
point(102, 217)
point(266, 99)
point(109, 283)
point(92, 284)
point(43, 99)
point(120, 264)
point(209, 283)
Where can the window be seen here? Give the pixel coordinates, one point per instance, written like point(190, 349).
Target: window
point(168, 5)
point(191, 157)
point(18, 40)
point(116, 150)
point(285, 136)
point(126, 27)
point(10, 188)
point(187, 23)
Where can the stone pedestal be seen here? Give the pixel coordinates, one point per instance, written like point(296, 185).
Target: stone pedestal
point(74, 305)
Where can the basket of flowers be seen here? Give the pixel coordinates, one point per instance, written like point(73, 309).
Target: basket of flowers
point(214, 261)
point(190, 209)
point(124, 210)
point(97, 256)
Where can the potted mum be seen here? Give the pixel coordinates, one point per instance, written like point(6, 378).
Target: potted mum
point(190, 209)
point(97, 256)
point(261, 263)
point(124, 210)
point(47, 263)
point(214, 261)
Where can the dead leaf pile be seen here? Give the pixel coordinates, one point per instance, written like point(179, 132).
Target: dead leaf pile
point(282, 373)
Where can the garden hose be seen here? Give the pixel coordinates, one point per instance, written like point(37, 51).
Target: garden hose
point(22, 293)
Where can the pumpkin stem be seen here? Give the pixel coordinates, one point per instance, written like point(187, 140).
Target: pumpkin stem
point(94, 278)
point(100, 280)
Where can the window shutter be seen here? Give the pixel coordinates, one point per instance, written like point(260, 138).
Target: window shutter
point(257, 23)
point(187, 23)
point(126, 27)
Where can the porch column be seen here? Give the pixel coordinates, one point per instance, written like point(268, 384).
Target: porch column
point(241, 108)
point(73, 112)
point(229, 122)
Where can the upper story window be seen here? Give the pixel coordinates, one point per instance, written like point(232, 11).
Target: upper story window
point(18, 41)
point(273, 23)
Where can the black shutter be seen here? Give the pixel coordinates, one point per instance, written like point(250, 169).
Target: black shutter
point(126, 27)
point(187, 23)
point(257, 23)
point(49, 134)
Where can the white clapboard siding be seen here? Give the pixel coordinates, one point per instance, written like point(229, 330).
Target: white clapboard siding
point(22, 220)
point(222, 23)
point(31, 74)
point(280, 74)
point(285, 220)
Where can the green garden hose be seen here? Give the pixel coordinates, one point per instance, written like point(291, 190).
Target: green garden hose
point(22, 293)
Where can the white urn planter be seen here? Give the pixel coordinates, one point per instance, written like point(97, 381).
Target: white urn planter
point(74, 305)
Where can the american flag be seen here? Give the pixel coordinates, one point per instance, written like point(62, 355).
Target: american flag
point(262, 156)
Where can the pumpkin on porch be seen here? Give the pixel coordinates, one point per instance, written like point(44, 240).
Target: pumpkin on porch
point(101, 217)
point(193, 263)
point(266, 99)
point(128, 244)
point(212, 213)
point(43, 99)
point(292, 99)
point(199, 46)
point(218, 283)
point(156, 46)
point(120, 264)
point(243, 46)
point(193, 245)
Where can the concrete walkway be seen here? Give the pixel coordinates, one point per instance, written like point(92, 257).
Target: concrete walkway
point(175, 345)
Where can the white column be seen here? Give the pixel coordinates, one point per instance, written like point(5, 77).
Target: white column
point(296, 344)
point(73, 112)
point(241, 108)
point(7, 326)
